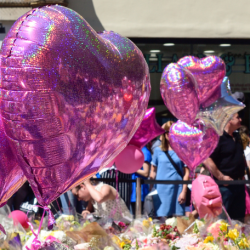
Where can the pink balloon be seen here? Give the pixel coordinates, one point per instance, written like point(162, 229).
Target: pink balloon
point(209, 73)
point(193, 145)
point(11, 175)
point(19, 217)
point(179, 93)
point(206, 197)
point(147, 131)
point(72, 98)
point(129, 160)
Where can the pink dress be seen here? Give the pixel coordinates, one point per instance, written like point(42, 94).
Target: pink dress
point(247, 201)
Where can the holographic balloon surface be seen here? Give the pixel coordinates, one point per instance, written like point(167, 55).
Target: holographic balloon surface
point(11, 175)
point(71, 98)
point(221, 111)
point(209, 73)
point(193, 144)
point(147, 131)
point(178, 92)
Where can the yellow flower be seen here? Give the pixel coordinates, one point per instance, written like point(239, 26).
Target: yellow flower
point(209, 239)
point(116, 240)
point(126, 241)
point(37, 222)
point(223, 227)
point(243, 243)
point(150, 219)
point(122, 244)
point(233, 234)
point(146, 223)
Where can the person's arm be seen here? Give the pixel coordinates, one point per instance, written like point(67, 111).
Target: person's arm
point(89, 209)
point(210, 165)
point(102, 196)
point(152, 175)
point(145, 171)
point(182, 196)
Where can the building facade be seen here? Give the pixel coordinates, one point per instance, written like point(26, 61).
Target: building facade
point(166, 31)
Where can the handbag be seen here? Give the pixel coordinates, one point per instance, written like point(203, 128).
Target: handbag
point(188, 194)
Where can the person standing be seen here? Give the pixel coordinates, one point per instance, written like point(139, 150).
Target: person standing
point(143, 173)
point(166, 165)
point(227, 163)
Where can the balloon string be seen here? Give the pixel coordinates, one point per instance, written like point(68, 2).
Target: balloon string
point(36, 244)
point(58, 205)
point(228, 217)
point(116, 179)
point(2, 229)
point(191, 198)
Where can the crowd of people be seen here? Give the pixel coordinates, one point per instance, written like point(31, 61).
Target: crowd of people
point(230, 161)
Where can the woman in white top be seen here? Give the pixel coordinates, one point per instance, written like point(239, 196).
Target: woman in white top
point(102, 199)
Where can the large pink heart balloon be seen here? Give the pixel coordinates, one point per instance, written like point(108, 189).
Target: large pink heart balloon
point(72, 98)
point(209, 73)
point(179, 93)
point(193, 145)
point(11, 175)
point(147, 131)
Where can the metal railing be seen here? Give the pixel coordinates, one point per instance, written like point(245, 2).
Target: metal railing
point(140, 181)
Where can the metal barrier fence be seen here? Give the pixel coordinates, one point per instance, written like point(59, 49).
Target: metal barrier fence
point(140, 181)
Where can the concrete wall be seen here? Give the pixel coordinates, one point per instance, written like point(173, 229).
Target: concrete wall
point(160, 18)
point(168, 18)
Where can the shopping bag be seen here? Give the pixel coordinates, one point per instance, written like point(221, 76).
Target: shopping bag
point(148, 203)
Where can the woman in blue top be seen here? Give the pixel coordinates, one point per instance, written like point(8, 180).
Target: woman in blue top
point(171, 198)
point(142, 173)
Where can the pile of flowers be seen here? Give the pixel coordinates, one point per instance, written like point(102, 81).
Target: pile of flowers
point(142, 233)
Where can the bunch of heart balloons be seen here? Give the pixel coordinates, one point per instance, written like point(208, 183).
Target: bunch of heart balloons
point(197, 92)
point(71, 101)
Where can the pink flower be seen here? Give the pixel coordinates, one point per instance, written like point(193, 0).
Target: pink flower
point(121, 224)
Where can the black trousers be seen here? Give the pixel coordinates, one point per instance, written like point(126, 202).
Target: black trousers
point(234, 200)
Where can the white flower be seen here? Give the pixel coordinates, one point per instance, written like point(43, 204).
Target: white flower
point(172, 222)
point(199, 224)
point(109, 248)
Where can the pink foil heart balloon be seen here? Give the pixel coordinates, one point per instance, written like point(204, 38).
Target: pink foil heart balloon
point(209, 73)
point(191, 144)
point(147, 131)
point(178, 92)
point(11, 175)
point(71, 98)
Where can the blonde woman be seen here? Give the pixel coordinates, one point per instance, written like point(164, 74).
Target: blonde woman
point(166, 165)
